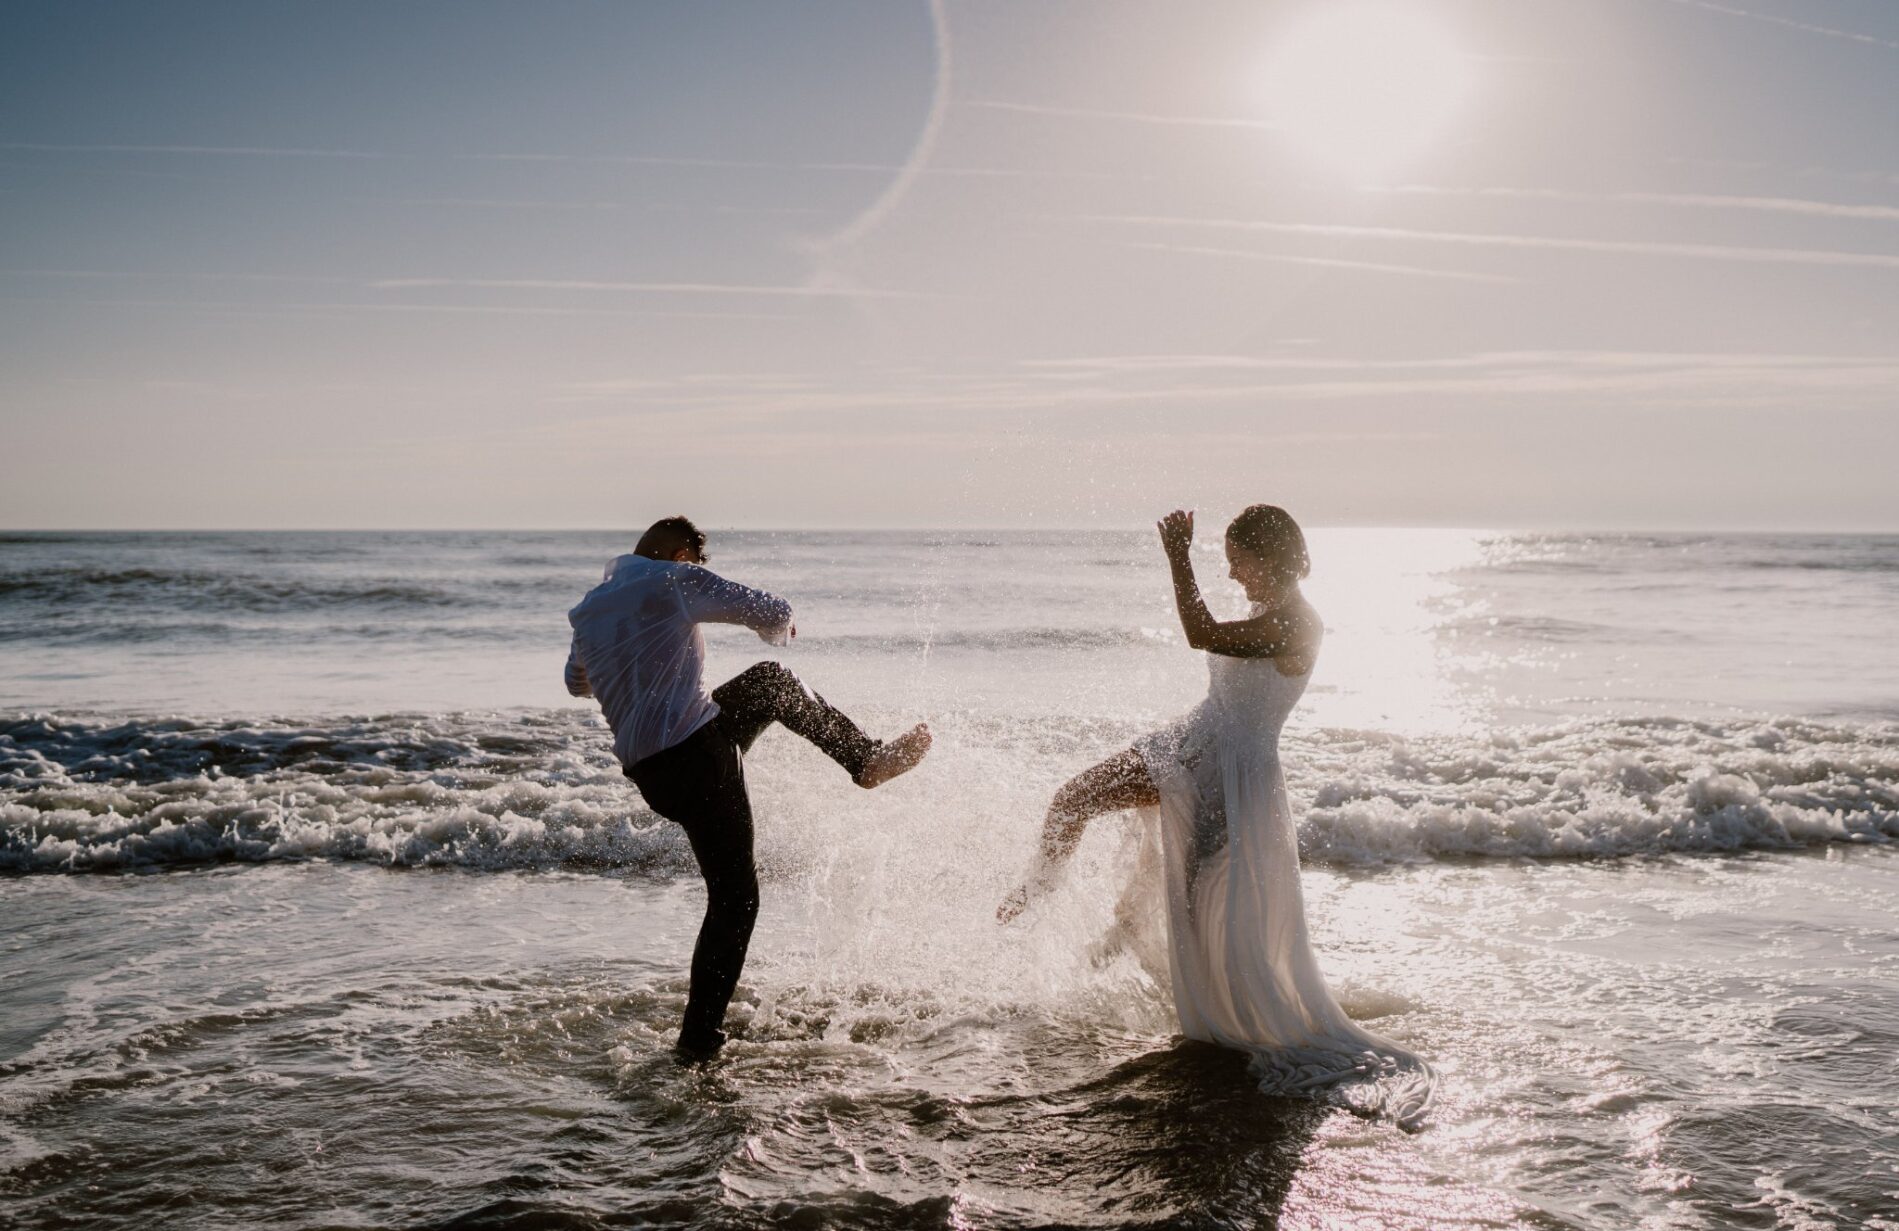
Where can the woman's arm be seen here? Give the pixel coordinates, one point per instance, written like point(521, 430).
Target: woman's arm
point(1263, 636)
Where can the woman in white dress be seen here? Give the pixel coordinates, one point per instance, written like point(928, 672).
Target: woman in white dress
point(1243, 971)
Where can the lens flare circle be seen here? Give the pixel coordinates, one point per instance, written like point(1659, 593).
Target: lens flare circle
point(1365, 86)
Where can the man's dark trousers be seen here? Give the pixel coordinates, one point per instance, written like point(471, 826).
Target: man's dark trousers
point(700, 783)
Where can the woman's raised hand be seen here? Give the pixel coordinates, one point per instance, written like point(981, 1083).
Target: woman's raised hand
point(1176, 531)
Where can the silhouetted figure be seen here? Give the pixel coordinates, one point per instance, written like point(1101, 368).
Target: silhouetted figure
point(638, 649)
point(1220, 850)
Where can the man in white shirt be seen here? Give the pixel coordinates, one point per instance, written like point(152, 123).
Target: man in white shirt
point(638, 649)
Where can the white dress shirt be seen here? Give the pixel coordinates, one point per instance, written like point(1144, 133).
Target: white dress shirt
point(638, 649)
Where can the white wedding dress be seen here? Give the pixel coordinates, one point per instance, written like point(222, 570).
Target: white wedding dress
point(1243, 971)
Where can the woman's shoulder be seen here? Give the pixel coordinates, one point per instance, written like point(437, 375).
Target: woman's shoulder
point(1297, 617)
point(1315, 624)
point(1301, 655)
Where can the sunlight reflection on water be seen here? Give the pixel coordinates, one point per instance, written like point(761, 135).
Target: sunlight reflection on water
point(1383, 594)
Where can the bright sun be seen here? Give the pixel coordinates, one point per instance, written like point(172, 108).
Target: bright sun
point(1365, 85)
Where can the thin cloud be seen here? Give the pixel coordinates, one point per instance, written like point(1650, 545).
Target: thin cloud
point(269, 308)
point(1719, 378)
point(122, 171)
point(739, 382)
point(1858, 177)
point(493, 203)
point(1133, 117)
point(244, 151)
point(1783, 205)
point(506, 203)
point(1711, 252)
point(1726, 385)
point(1411, 271)
point(1805, 27)
point(632, 160)
point(1013, 173)
point(1485, 360)
point(133, 275)
point(1778, 205)
point(1809, 172)
point(834, 168)
point(671, 288)
point(496, 310)
point(527, 284)
point(638, 160)
point(783, 210)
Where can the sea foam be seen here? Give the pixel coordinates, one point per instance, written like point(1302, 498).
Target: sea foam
point(540, 790)
point(1598, 789)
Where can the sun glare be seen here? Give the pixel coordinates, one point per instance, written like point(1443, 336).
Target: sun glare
point(1365, 85)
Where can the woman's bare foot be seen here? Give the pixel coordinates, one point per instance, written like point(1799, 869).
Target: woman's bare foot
point(895, 756)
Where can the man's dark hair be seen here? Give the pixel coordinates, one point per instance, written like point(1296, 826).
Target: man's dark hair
point(1270, 533)
point(668, 535)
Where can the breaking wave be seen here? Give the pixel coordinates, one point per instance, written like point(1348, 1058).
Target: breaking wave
point(1598, 789)
point(540, 790)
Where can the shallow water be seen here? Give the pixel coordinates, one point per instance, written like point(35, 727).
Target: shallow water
point(321, 1044)
point(275, 958)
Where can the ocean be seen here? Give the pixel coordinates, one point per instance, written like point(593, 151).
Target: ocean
point(326, 907)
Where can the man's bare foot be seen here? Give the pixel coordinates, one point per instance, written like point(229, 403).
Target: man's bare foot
point(895, 756)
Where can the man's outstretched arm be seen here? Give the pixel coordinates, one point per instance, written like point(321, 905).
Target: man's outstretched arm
point(711, 599)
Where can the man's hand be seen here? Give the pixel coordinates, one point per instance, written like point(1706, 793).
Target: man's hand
point(1176, 532)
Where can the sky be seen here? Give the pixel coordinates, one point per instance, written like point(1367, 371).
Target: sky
point(1604, 264)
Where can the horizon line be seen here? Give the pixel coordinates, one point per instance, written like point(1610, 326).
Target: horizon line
point(1017, 528)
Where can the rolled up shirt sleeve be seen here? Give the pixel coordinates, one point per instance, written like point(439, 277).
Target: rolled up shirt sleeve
point(576, 675)
point(711, 599)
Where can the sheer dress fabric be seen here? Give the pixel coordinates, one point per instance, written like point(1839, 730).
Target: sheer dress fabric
point(1224, 846)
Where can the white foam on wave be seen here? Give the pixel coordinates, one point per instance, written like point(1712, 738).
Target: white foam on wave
point(486, 791)
point(477, 791)
point(1596, 790)
point(200, 820)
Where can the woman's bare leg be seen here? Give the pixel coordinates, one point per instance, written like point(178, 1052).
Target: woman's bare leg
point(1117, 784)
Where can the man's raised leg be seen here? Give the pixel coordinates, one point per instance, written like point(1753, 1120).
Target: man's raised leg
point(770, 692)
